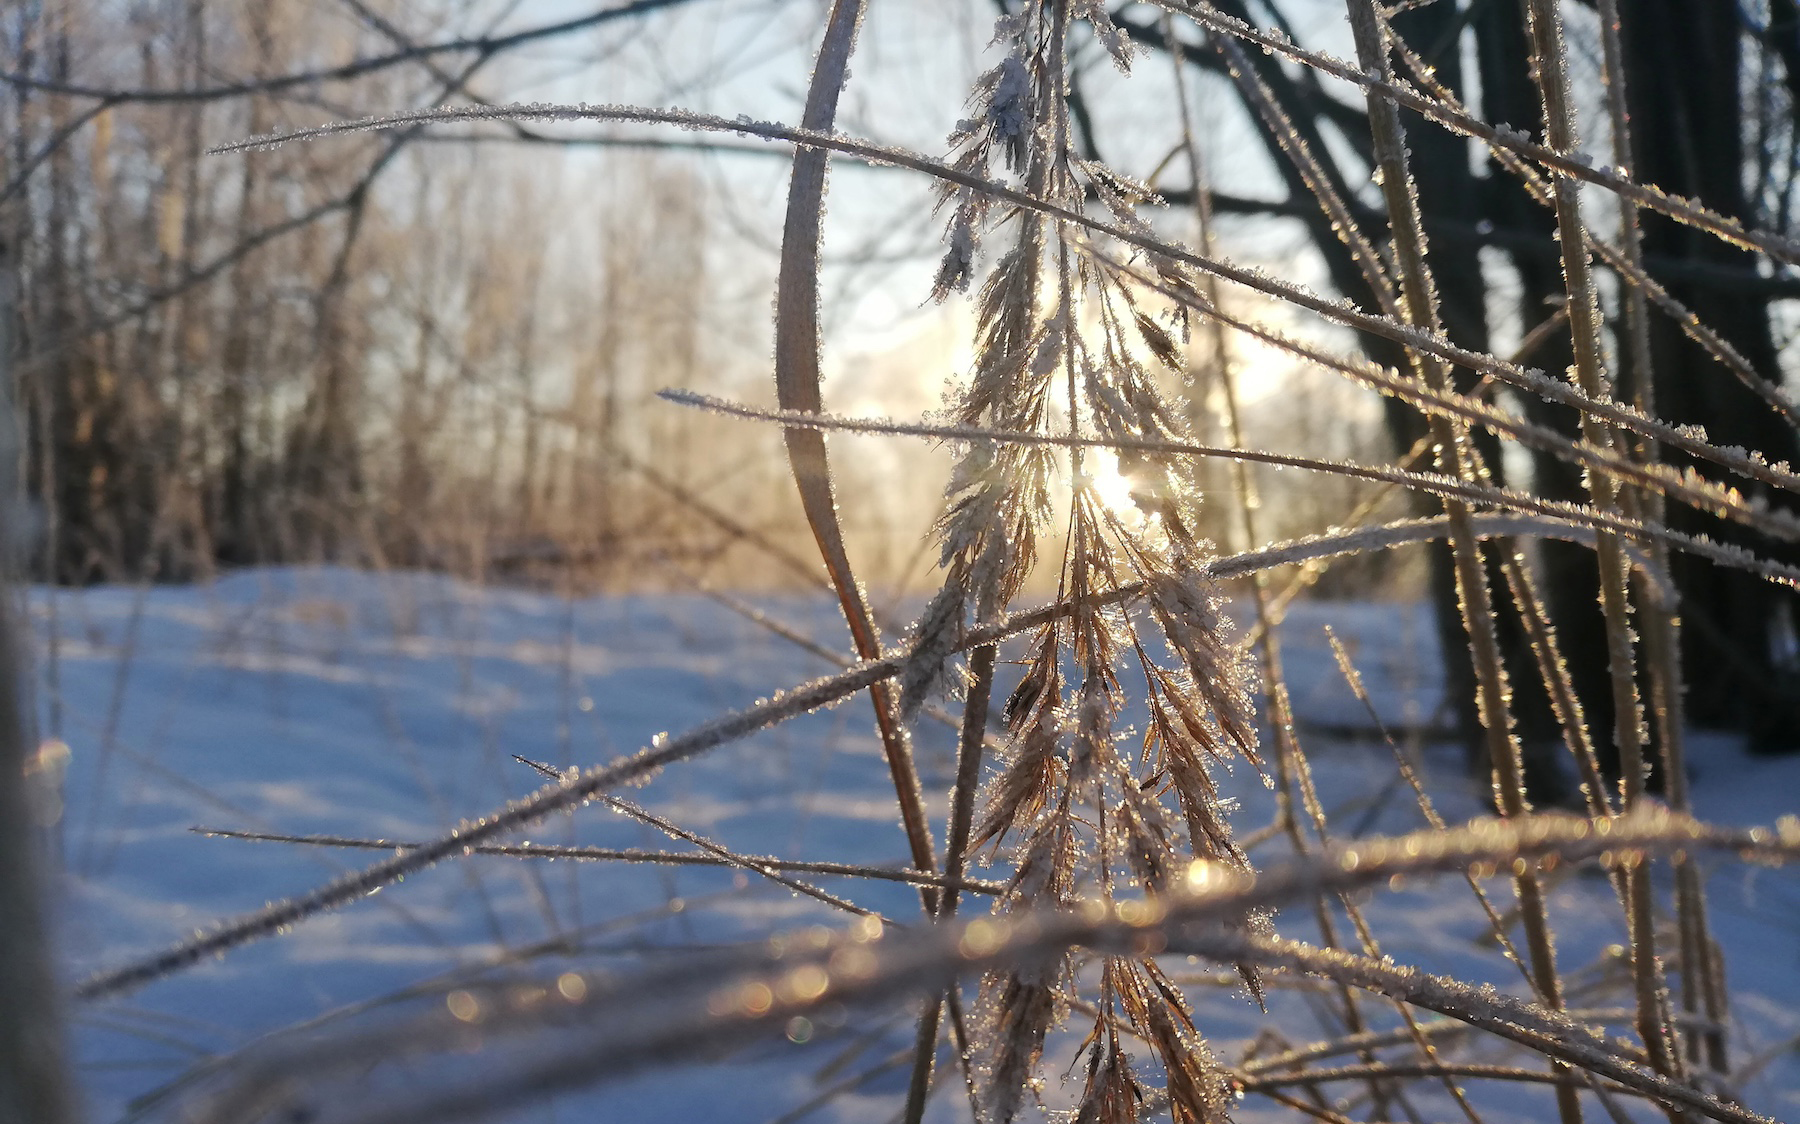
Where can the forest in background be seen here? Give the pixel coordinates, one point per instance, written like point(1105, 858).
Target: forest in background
point(395, 353)
point(437, 349)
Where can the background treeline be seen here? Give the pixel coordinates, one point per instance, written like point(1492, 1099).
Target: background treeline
point(415, 349)
point(368, 352)
point(418, 349)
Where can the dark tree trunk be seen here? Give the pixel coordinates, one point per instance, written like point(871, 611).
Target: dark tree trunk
point(1570, 575)
point(1684, 72)
point(1452, 201)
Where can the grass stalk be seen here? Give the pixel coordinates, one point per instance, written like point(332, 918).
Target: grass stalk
point(1420, 303)
point(797, 378)
point(1551, 68)
point(623, 855)
point(1661, 624)
point(797, 383)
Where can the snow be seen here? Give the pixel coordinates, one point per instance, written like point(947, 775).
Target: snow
point(389, 706)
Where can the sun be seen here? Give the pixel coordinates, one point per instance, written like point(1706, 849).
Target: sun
point(1113, 487)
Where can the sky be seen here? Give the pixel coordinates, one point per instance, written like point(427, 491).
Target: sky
point(914, 64)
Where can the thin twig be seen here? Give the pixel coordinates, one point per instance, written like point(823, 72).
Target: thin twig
point(1437, 484)
point(625, 855)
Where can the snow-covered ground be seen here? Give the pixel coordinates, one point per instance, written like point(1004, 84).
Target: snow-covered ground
point(389, 707)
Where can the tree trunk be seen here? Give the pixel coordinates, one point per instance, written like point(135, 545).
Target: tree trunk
point(1683, 64)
